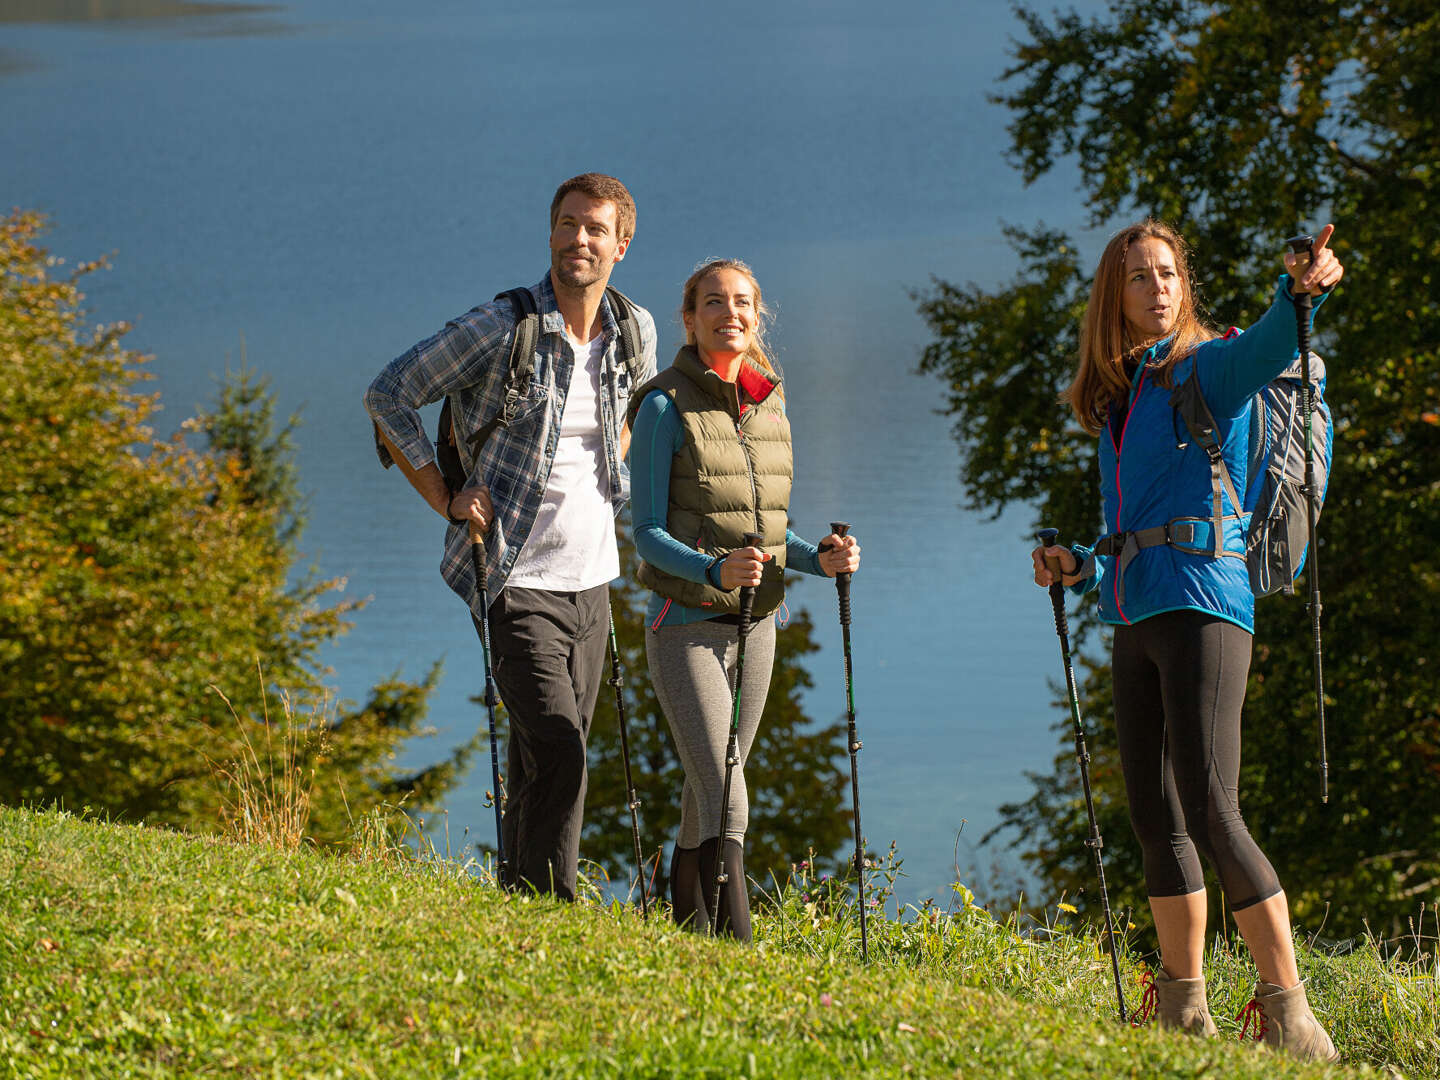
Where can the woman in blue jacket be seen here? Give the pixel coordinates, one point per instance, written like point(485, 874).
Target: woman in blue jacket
point(1183, 615)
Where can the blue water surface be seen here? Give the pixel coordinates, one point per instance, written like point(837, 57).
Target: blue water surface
point(310, 188)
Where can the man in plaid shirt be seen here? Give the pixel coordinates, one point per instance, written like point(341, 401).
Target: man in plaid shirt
point(545, 490)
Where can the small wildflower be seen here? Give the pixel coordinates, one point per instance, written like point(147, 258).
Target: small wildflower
point(1067, 907)
point(826, 1000)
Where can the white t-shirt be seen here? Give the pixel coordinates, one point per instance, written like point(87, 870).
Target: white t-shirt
point(572, 544)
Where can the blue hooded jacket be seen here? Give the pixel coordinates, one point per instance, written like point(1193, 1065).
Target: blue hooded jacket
point(1151, 473)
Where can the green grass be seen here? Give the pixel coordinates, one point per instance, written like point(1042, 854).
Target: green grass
point(135, 952)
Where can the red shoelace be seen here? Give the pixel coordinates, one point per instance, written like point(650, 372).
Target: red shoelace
point(1148, 1002)
point(1256, 1012)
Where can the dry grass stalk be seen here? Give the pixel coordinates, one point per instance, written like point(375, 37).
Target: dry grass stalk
point(266, 797)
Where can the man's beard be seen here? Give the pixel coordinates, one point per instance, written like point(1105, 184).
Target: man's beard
point(574, 276)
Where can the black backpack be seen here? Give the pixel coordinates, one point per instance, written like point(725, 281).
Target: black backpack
point(517, 381)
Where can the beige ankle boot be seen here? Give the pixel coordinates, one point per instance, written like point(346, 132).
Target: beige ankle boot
point(1181, 1005)
point(1176, 1004)
point(1286, 1023)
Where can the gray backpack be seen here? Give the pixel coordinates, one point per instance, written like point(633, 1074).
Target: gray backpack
point(1277, 541)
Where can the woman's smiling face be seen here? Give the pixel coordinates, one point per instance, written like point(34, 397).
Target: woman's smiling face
point(724, 320)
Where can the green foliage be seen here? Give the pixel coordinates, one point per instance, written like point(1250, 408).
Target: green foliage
point(243, 425)
point(799, 788)
point(136, 573)
point(1241, 123)
point(140, 952)
point(1006, 356)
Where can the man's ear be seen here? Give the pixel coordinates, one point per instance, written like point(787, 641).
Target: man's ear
point(622, 247)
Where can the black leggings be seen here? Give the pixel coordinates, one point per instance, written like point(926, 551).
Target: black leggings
point(1179, 690)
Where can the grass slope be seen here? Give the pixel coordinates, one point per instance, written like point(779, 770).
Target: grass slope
point(133, 952)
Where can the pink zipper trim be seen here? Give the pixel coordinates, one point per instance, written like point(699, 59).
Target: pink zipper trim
point(1120, 494)
point(661, 617)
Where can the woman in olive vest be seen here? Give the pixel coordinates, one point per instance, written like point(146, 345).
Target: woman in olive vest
point(709, 462)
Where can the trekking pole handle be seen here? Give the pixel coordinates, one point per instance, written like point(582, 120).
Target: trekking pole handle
point(747, 592)
point(841, 529)
point(477, 552)
point(1047, 538)
point(1303, 247)
point(842, 580)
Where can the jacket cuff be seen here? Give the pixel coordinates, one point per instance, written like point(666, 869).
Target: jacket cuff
point(1286, 290)
point(1086, 558)
point(712, 572)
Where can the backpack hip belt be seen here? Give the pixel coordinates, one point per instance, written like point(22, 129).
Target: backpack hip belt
point(1192, 535)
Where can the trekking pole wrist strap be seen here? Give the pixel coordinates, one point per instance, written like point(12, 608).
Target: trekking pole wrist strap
point(450, 498)
point(1084, 567)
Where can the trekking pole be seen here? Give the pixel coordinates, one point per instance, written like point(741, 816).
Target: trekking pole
point(1094, 843)
point(1304, 246)
point(617, 680)
point(732, 749)
point(842, 589)
point(477, 560)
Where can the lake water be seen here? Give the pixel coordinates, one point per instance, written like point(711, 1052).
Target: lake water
point(310, 188)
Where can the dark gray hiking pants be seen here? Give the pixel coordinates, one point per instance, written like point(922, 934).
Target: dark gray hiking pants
point(549, 658)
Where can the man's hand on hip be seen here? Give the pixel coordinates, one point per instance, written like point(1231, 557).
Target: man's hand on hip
point(473, 504)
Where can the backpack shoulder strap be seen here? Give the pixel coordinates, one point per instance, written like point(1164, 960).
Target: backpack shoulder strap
point(623, 308)
point(527, 336)
point(1189, 402)
point(521, 364)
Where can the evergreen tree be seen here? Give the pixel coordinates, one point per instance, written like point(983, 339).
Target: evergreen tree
point(139, 576)
point(1242, 123)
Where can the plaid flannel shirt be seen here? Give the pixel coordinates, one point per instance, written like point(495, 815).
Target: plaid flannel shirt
point(469, 361)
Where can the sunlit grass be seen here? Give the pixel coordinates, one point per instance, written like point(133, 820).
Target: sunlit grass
point(132, 951)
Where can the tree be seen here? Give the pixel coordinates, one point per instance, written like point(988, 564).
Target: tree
point(1241, 123)
point(798, 787)
point(139, 575)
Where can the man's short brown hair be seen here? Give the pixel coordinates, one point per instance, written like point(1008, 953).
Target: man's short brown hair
point(601, 187)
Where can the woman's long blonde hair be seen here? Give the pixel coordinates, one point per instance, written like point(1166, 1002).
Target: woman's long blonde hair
point(1105, 339)
point(688, 299)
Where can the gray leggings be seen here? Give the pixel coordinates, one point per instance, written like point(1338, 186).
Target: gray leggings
point(691, 669)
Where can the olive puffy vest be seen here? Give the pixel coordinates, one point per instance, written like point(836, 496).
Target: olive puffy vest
point(731, 476)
